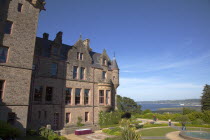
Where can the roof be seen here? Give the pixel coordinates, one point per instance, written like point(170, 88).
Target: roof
point(114, 65)
point(43, 48)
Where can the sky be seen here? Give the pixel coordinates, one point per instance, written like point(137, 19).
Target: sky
point(162, 46)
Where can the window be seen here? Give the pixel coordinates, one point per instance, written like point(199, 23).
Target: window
point(55, 50)
point(3, 54)
point(45, 115)
point(101, 96)
point(86, 97)
point(82, 73)
point(54, 67)
point(77, 96)
point(86, 116)
point(11, 118)
point(8, 27)
point(68, 115)
point(20, 6)
point(1, 88)
point(38, 93)
point(78, 55)
point(68, 96)
point(49, 92)
point(81, 56)
point(104, 62)
point(39, 114)
point(107, 96)
point(75, 72)
point(103, 75)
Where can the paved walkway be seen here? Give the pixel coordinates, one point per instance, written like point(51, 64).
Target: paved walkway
point(174, 136)
point(97, 135)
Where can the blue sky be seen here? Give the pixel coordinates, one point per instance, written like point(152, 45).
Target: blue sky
point(162, 46)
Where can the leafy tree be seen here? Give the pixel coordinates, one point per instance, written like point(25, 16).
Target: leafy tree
point(183, 119)
point(187, 110)
point(126, 104)
point(205, 99)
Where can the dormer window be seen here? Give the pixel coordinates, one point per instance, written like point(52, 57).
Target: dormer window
point(55, 50)
point(104, 62)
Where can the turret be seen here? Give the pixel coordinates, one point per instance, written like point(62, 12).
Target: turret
point(115, 73)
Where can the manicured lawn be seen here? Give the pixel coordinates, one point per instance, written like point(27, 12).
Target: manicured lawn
point(32, 138)
point(157, 131)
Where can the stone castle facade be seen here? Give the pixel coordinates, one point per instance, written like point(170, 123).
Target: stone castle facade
point(44, 81)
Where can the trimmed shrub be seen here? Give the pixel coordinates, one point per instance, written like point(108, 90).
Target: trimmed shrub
point(109, 118)
point(126, 115)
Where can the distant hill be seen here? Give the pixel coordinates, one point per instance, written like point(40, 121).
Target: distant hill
point(185, 102)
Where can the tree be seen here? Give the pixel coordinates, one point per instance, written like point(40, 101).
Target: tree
point(205, 99)
point(188, 110)
point(126, 104)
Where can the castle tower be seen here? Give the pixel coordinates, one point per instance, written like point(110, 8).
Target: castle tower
point(18, 25)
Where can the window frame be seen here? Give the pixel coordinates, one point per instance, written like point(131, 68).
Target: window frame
point(82, 73)
point(68, 119)
point(6, 56)
point(103, 75)
point(101, 97)
point(78, 98)
point(75, 73)
point(10, 27)
point(11, 118)
point(52, 72)
point(36, 93)
point(86, 116)
point(46, 95)
point(20, 7)
point(2, 89)
point(86, 98)
point(81, 56)
point(68, 102)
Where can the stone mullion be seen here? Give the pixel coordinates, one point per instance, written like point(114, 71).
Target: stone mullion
point(82, 97)
point(105, 97)
point(73, 97)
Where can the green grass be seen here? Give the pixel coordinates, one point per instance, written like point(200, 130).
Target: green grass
point(157, 131)
point(111, 125)
point(32, 138)
point(155, 125)
point(193, 125)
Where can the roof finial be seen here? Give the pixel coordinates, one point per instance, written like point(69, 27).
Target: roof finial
point(80, 36)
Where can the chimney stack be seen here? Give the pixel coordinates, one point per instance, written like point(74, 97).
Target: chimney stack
point(45, 36)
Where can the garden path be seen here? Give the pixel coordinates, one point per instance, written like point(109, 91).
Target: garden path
point(174, 136)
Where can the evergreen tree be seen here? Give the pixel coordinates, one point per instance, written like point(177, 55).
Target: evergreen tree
point(205, 99)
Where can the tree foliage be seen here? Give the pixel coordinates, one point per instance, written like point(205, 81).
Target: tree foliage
point(205, 99)
point(126, 104)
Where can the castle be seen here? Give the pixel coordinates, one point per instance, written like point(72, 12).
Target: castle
point(44, 81)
